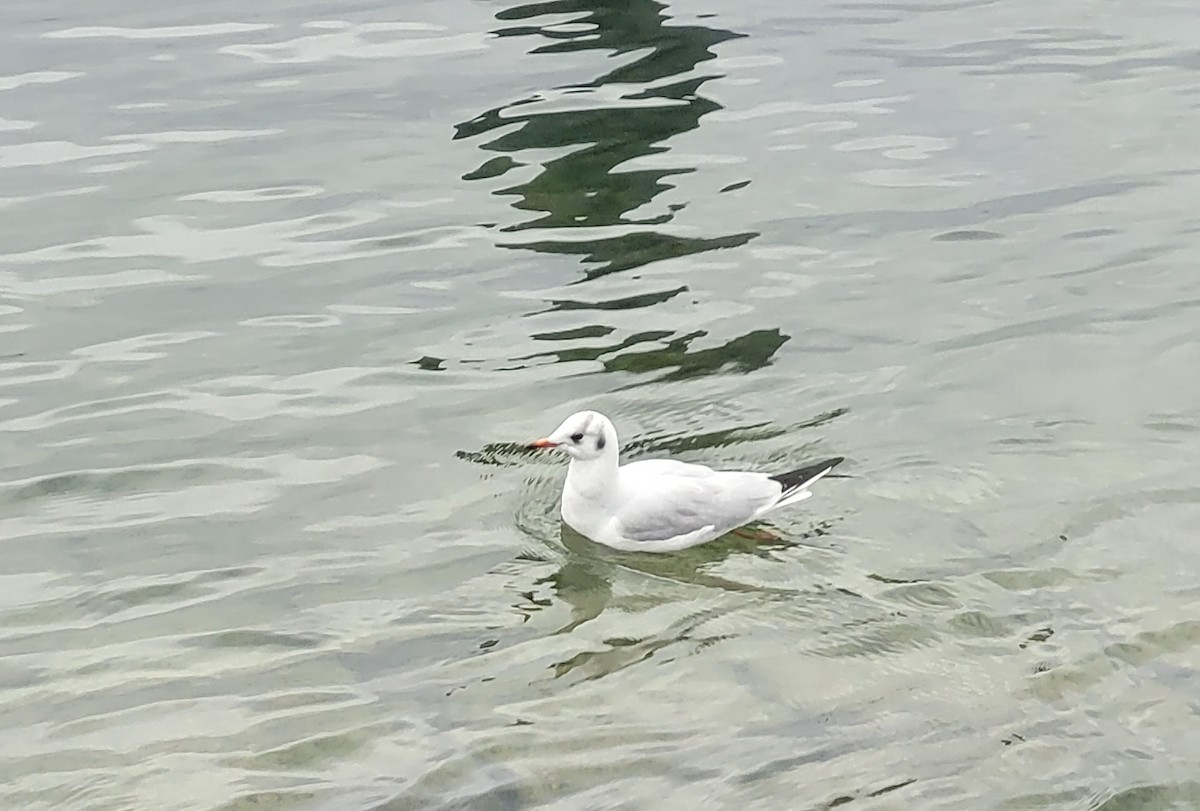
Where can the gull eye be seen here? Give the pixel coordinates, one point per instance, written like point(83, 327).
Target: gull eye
point(577, 436)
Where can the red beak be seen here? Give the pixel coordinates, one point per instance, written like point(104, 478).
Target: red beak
point(543, 443)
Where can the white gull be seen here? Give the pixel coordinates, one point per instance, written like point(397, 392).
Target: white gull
point(661, 505)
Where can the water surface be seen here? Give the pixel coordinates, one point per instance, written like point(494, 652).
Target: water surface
point(281, 287)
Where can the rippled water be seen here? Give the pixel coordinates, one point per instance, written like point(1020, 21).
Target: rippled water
point(281, 285)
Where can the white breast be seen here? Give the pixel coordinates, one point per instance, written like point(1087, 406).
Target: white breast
point(586, 515)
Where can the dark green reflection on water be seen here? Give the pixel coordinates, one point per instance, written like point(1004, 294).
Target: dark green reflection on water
point(603, 130)
point(592, 129)
point(742, 354)
point(628, 251)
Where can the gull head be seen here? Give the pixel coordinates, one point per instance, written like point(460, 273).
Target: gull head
point(583, 436)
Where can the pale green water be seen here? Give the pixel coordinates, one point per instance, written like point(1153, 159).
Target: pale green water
point(279, 284)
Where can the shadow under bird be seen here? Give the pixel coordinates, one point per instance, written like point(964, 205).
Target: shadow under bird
point(661, 505)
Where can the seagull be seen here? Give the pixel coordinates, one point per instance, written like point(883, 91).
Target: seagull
point(661, 505)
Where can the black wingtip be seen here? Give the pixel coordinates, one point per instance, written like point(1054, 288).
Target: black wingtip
point(796, 479)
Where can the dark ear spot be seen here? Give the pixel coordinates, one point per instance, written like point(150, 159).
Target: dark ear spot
point(600, 442)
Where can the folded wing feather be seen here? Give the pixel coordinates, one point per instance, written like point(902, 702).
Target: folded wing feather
point(663, 499)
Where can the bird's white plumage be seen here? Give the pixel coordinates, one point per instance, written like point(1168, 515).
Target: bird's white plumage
point(657, 505)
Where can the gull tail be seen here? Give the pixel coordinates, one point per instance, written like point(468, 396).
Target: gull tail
point(795, 482)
